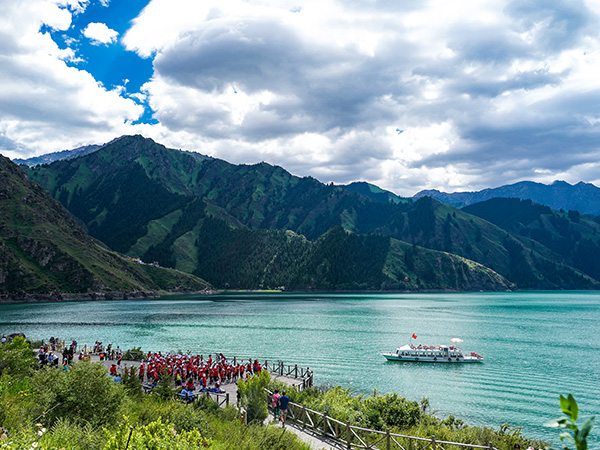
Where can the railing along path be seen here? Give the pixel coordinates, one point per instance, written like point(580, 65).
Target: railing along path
point(353, 437)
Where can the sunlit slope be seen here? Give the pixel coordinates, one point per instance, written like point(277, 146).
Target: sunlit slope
point(44, 252)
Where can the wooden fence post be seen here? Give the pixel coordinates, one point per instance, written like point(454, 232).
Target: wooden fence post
point(296, 371)
point(324, 424)
point(303, 417)
point(433, 443)
point(348, 436)
point(388, 440)
point(227, 399)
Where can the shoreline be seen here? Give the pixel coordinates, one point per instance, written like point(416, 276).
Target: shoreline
point(59, 297)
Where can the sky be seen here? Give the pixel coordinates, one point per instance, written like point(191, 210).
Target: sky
point(407, 95)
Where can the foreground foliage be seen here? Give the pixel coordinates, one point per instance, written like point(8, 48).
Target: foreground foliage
point(399, 415)
point(83, 408)
point(572, 434)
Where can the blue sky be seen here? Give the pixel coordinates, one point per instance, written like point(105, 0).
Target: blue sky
point(407, 95)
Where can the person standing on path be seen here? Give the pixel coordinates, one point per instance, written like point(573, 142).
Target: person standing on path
point(275, 402)
point(284, 401)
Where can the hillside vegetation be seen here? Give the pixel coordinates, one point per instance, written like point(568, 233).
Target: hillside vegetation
point(44, 253)
point(575, 237)
point(251, 226)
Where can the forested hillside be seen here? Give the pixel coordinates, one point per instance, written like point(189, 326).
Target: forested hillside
point(44, 253)
point(570, 234)
point(185, 210)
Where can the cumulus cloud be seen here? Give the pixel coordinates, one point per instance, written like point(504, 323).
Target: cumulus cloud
point(45, 105)
point(483, 89)
point(487, 93)
point(99, 33)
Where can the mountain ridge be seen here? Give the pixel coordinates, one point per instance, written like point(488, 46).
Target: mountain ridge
point(583, 197)
point(46, 255)
point(144, 199)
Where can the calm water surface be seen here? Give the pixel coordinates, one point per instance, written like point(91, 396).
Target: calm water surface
point(536, 345)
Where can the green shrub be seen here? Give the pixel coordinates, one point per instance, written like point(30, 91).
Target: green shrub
point(389, 411)
point(165, 387)
point(132, 383)
point(134, 354)
point(84, 393)
point(155, 435)
point(254, 398)
point(16, 357)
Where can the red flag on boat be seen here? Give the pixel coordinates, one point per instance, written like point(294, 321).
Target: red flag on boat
point(414, 336)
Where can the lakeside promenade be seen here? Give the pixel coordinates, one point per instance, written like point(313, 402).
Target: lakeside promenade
point(313, 427)
point(314, 439)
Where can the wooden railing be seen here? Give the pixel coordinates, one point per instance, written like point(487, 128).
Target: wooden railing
point(303, 374)
point(353, 437)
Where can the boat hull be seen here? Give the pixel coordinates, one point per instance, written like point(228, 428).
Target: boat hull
point(428, 359)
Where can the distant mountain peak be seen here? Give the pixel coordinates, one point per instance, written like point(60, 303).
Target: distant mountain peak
point(583, 197)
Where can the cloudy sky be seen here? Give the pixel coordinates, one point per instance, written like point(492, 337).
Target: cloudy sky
point(408, 95)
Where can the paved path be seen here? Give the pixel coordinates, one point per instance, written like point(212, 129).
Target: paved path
point(315, 440)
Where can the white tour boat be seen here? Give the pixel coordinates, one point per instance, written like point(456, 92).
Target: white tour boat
point(433, 353)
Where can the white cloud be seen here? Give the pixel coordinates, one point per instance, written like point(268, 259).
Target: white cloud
point(99, 33)
point(470, 83)
point(45, 105)
point(488, 92)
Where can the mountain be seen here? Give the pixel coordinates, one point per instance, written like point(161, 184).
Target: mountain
point(582, 197)
point(570, 234)
point(58, 156)
point(374, 192)
point(185, 210)
point(44, 254)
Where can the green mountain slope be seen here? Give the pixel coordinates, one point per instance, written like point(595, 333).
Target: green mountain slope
point(45, 254)
point(570, 234)
point(374, 192)
point(146, 200)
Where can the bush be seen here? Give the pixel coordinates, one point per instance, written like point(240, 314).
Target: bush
point(164, 387)
point(131, 383)
point(254, 398)
point(84, 393)
point(155, 435)
point(134, 354)
point(16, 357)
point(390, 410)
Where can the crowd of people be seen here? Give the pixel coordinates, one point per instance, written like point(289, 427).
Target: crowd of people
point(194, 373)
point(48, 353)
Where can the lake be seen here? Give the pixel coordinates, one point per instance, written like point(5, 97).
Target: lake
point(536, 344)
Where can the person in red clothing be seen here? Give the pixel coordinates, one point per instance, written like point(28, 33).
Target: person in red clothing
point(113, 370)
point(190, 384)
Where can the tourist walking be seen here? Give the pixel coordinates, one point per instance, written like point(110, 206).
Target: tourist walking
point(275, 402)
point(284, 401)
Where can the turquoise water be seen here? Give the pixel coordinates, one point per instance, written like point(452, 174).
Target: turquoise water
point(536, 345)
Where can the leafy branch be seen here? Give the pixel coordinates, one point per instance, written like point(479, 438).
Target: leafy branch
point(572, 434)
